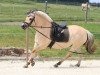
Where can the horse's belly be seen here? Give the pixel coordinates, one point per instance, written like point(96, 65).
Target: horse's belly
point(61, 45)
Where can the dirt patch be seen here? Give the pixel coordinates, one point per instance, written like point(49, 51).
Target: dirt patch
point(12, 52)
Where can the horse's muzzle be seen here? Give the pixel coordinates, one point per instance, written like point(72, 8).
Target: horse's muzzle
point(24, 26)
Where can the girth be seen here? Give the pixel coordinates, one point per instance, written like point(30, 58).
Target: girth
point(59, 33)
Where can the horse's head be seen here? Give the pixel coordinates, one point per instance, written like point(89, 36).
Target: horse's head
point(29, 19)
point(37, 19)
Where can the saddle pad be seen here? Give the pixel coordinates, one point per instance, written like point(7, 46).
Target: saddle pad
point(59, 34)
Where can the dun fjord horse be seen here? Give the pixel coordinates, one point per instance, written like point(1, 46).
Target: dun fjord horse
point(45, 27)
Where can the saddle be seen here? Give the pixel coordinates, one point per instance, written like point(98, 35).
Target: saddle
point(59, 33)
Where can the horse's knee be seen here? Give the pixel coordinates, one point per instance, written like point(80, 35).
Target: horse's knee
point(33, 54)
point(69, 54)
point(33, 51)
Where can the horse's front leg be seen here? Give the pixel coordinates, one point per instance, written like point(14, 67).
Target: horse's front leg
point(31, 59)
point(34, 54)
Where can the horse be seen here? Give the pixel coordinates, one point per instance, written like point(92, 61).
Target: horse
point(43, 24)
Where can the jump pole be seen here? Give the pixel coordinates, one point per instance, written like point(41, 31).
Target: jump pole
point(27, 43)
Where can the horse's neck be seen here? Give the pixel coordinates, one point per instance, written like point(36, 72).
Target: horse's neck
point(42, 22)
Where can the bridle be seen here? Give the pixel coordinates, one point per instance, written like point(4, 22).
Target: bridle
point(26, 25)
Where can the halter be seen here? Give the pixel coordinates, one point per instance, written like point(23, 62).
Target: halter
point(26, 25)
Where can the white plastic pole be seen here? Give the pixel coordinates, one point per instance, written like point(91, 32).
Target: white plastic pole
point(46, 5)
point(27, 43)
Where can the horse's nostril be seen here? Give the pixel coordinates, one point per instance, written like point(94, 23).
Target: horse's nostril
point(23, 26)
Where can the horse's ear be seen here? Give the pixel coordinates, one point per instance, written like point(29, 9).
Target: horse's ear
point(28, 12)
point(31, 11)
point(34, 10)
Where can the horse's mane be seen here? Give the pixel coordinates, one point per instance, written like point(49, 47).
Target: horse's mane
point(44, 15)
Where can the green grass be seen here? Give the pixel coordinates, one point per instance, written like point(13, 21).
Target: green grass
point(15, 11)
point(14, 36)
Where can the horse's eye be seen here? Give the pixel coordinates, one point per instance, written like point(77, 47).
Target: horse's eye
point(30, 18)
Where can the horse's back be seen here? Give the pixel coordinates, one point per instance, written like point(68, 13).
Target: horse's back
point(75, 29)
point(77, 33)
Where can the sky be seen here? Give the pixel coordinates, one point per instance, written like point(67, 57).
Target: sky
point(94, 1)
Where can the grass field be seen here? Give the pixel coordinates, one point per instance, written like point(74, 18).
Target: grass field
point(11, 35)
point(16, 11)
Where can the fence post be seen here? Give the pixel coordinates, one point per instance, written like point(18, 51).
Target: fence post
point(86, 13)
point(13, 8)
point(27, 43)
point(0, 8)
point(46, 5)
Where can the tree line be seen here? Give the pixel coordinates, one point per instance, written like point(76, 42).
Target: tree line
point(78, 1)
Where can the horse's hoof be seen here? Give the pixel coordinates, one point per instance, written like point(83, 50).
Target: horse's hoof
point(77, 65)
point(55, 65)
point(33, 63)
point(25, 66)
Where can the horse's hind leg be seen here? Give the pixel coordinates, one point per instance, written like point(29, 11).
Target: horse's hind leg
point(69, 54)
point(79, 60)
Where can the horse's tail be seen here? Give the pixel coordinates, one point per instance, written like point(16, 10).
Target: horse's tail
point(90, 47)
